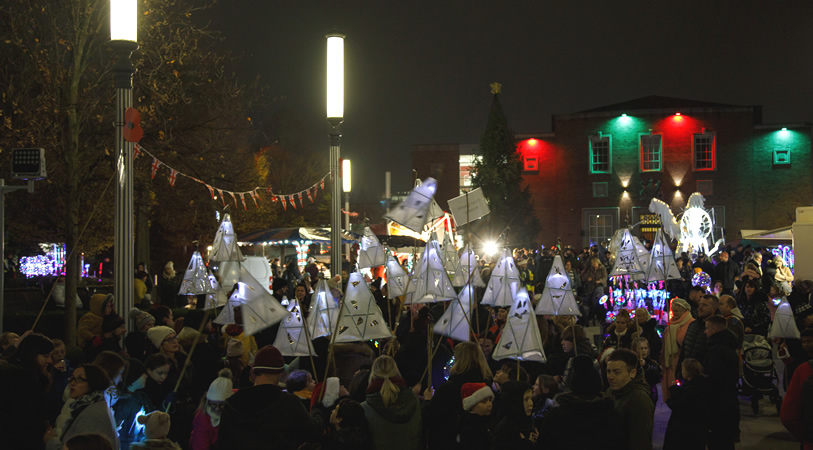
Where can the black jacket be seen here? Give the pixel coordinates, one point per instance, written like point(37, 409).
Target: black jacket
point(694, 344)
point(564, 425)
point(473, 432)
point(689, 422)
point(649, 331)
point(722, 367)
point(727, 273)
point(441, 415)
point(755, 312)
point(261, 416)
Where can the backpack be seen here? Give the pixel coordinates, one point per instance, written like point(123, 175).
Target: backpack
point(807, 406)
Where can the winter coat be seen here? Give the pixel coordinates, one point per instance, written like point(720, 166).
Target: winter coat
point(615, 340)
point(447, 404)
point(22, 417)
point(649, 331)
point(138, 345)
point(90, 324)
point(515, 427)
point(257, 416)
point(125, 411)
point(473, 432)
point(168, 290)
point(204, 434)
point(726, 272)
point(694, 344)
point(722, 366)
point(652, 375)
point(755, 312)
point(637, 412)
point(394, 427)
point(564, 425)
point(689, 422)
point(95, 418)
point(793, 407)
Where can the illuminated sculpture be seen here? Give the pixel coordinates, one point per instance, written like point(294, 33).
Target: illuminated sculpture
point(504, 282)
point(292, 340)
point(695, 229)
point(468, 268)
point(432, 282)
point(557, 297)
point(324, 311)
point(398, 283)
point(626, 260)
point(449, 254)
point(662, 265)
point(196, 278)
point(784, 323)
point(520, 339)
point(454, 322)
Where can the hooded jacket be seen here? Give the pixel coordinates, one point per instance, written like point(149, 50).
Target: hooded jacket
point(722, 367)
point(689, 422)
point(637, 413)
point(513, 430)
point(90, 324)
point(446, 406)
point(259, 416)
point(396, 426)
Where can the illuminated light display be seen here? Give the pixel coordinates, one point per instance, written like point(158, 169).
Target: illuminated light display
point(49, 264)
point(786, 253)
point(629, 295)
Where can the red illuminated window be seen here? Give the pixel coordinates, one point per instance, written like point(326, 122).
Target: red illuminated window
point(650, 152)
point(703, 151)
point(531, 163)
point(601, 154)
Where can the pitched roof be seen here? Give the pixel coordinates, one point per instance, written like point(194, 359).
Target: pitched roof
point(659, 102)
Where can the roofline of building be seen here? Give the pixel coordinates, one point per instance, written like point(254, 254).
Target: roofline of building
point(772, 126)
point(524, 136)
point(657, 112)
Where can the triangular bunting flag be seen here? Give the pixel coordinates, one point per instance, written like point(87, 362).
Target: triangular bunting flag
point(284, 205)
point(661, 265)
point(155, 165)
point(222, 198)
point(433, 284)
point(324, 311)
point(225, 246)
point(196, 278)
point(557, 297)
point(233, 198)
point(310, 197)
point(371, 253)
point(254, 197)
point(361, 319)
point(173, 176)
point(243, 199)
point(292, 340)
point(520, 339)
point(784, 323)
point(453, 323)
point(504, 282)
point(211, 191)
point(412, 212)
point(322, 183)
point(300, 200)
point(292, 201)
point(136, 151)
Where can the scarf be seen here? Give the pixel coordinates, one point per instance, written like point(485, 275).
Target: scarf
point(670, 345)
point(79, 405)
point(214, 415)
point(736, 313)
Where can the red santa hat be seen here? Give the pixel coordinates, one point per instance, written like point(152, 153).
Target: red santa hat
point(474, 393)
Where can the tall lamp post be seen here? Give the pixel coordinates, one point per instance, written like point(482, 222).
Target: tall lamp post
point(123, 40)
point(335, 116)
point(346, 188)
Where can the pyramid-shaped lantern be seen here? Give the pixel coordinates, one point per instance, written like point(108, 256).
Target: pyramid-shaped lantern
point(454, 322)
point(361, 319)
point(557, 297)
point(449, 254)
point(398, 283)
point(260, 309)
point(643, 258)
point(784, 324)
point(520, 339)
point(218, 297)
point(292, 340)
point(504, 282)
point(196, 278)
point(226, 315)
point(468, 268)
point(324, 310)
point(371, 253)
point(225, 246)
point(661, 265)
point(414, 211)
point(432, 284)
point(626, 261)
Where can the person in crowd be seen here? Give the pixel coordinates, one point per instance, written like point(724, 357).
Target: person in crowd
point(716, 288)
point(179, 380)
point(90, 324)
point(206, 359)
point(516, 429)
point(647, 328)
point(704, 264)
point(234, 362)
point(783, 277)
point(157, 367)
point(7, 341)
point(141, 295)
point(726, 271)
point(696, 293)
point(583, 402)
point(486, 341)
point(132, 401)
point(688, 425)
point(88, 441)
point(473, 427)
point(632, 402)
point(595, 280)
point(545, 389)
point(622, 333)
point(206, 424)
point(751, 272)
point(794, 406)
point(350, 431)
point(300, 384)
point(236, 331)
point(733, 316)
point(137, 343)
point(157, 426)
point(163, 316)
point(168, 286)
point(141, 267)
point(470, 367)
point(575, 342)
point(722, 367)
point(392, 410)
point(90, 412)
point(754, 306)
point(651, 369)
point(60, 371)
point(694, 343)
point(24, 383)
point(673, 337)
point(113, 328)
point(261, 414)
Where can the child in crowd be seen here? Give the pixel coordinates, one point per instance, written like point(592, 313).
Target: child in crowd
point(652, 370)
point(688, 425)
point(473, 424)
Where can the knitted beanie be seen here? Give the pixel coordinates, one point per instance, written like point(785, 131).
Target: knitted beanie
point(141, 318)
point(158, 334)
point(156, 424)
point(234, 348)
point(221, 388)
point(474, 393)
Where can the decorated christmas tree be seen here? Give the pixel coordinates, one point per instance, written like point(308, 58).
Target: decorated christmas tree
point(626, 260)
point(557, 297)
point(784, 323)
point(361, 319)
point(432, 282)
point(371, 253)
point(324, 311)
point(520, 339)
point(468, 268)
point(414, 211)
point(292, 339)
point(225, 246)
point(661, 265)
point(504, 282)
point(454, 322)
point(398, 283)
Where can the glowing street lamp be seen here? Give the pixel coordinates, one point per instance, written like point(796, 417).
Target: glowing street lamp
point(346, 188)
point(335, 116)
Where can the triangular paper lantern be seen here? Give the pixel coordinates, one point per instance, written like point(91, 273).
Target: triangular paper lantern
point(468, 267)
point(643, 258)
point(626, 260)
point(504, 282)
point(361, 319)
point(260, 308)
point(292, 340)
point(661, 265)
point(520, 339)
point(432, 282)
point(557, 297)
point(225, 246)
point(226, 315)
point(196, 278)
point(218, 297)
point(453, 322)
point(784, 324)
point(324, 310)
point(398, 283)
point(449, 254)
point(413, 212)
point(435, 211)
point(371, 253)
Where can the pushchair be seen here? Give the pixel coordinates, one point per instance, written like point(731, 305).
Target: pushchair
point(759, 375)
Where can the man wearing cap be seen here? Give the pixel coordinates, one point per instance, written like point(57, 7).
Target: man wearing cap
point(263, 416)
point(137, 343)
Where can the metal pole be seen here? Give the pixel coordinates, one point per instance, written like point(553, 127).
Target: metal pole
point(336, 198)
point(3, 190)
point(123, 253)
point(347, 222)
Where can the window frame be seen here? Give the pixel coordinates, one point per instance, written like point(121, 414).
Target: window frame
point(713, 159)
point(641, 151)
point(776, 158)
point(591, 163)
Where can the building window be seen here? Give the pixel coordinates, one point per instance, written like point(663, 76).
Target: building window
point(705, 187)
point(650, 223)
point(466, 168)
point(599, 225)
point(530, 164)
point(781, 156)
point(704, 151)
point(601, 153)
point(650, 152)
point(601, 190)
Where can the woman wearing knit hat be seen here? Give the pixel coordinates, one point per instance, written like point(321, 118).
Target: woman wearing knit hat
point(473, 430)
point(133, 399)
point(137, 343)
point(166, 341)
point(206, 423)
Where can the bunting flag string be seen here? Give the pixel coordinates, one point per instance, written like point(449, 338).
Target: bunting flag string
point(254, 193)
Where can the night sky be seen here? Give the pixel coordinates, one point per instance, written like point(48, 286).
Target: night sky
point(419, 72)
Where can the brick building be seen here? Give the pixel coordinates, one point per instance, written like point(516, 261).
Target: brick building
point(598, 169)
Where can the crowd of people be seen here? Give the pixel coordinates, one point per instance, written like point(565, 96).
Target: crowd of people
point(188, 383)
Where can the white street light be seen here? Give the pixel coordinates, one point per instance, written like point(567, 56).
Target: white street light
point(124, 20)
point(335, 75)
point(335, 115)
point(346, 175)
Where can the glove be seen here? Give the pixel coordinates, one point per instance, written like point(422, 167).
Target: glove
point(169, 399)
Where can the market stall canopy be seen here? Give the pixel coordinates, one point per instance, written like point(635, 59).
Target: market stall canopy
point(292, 235)
point(779, 234)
